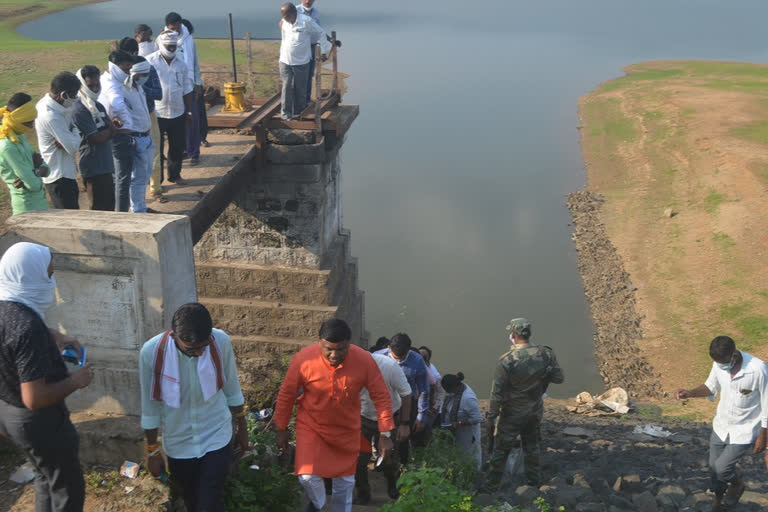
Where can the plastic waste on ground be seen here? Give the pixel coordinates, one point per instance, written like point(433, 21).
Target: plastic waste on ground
point(614, 401)
point(652, 430)
point(23, 474)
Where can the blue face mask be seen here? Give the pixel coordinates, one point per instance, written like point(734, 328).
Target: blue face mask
point(726, 367)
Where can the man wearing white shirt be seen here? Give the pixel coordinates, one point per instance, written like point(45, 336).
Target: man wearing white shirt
point(295, 49)
point(190, 388)
point(187, 51)
point(59, 140)
point(132, 148)
point(740, 425)
point(400, 393)
point(175, 110)
point(307, 8)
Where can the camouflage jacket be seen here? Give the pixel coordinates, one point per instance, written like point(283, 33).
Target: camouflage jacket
point(521, 378)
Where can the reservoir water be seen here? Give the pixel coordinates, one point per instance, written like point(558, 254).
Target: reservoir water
point(456, 171)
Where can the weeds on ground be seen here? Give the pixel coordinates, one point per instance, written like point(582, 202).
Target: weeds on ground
point(259, 483)
point(440, 478)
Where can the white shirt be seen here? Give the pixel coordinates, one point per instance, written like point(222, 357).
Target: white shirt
point(197, 427)
point(743, 407)
point(54, 123)
point(187, 51)
point(439, 391)
point(129, 105)
point(312, 13)
point(176, 83)
point(295, 48)
point(397, 384)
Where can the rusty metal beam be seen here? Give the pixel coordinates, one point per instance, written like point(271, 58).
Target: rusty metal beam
point(261, 114)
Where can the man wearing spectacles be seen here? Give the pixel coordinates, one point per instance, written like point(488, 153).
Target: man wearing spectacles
point(190, 386)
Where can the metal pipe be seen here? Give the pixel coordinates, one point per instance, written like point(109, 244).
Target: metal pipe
point(334, 49)
point(232, 45)
point(318, 90)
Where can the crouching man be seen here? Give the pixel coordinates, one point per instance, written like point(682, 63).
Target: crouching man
point(190, 386)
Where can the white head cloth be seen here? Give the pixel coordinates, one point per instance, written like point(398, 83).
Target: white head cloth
point(24, 277)
point(168, 38)
point(89, 98)
point(140, 68)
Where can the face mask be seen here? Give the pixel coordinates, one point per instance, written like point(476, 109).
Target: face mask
point(167, 53)
point(146, 47)
point(512, 339)
point(726, 367)
point(46, 301)
point(67, 102)
point(141, 80)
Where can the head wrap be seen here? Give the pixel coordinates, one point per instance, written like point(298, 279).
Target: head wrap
point(13, 122)
point(24, 277)
point(168, 37)
point(89, 98)
point(140, 68)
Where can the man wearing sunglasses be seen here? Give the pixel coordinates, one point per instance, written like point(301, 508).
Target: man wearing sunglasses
point(739, 427)
point(190, 386)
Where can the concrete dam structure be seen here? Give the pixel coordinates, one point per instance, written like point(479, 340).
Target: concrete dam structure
point(264, 249)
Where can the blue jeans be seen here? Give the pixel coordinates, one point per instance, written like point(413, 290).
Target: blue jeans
point(123, 154)
point(294, 94)
point(142, 171)
point(722, 462)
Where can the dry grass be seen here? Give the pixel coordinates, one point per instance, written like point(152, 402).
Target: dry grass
point(687, 136)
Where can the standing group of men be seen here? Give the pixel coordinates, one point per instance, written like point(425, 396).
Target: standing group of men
point(112, 126)
point(345, 399)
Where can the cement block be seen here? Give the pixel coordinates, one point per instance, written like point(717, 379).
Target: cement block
point(120, 277)
point(297, 154)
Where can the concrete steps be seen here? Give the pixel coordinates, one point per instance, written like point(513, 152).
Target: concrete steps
point(265, 283)
point(254, 318)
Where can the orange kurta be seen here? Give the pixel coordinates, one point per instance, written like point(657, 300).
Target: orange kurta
point(328, 409)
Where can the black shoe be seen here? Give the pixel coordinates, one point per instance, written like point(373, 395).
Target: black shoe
point(311, 508)
point(393, 492)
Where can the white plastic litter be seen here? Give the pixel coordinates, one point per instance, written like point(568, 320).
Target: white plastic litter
point(652, 430)
point(254, 466)
point(23, 474)
point(129, 490)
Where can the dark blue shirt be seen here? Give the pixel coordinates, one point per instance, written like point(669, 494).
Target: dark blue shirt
point(416, 372)
point(95, 159)
point(153, 89)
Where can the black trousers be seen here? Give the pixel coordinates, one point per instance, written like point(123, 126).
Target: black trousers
point(370, 431)
point(64, 194)
point(201, 481)
point(50, 443)
point(175, 130)
point(101, 192)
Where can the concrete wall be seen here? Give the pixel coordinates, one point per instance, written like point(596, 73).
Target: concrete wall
point(120, 278)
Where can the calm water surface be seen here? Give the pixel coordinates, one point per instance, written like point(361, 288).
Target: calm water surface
point(456, 172)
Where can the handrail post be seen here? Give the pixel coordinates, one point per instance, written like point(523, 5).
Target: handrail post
point(318, 90)
point(336, 89)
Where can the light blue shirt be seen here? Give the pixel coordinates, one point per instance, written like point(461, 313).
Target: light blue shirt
point(312, 14)
point(197, 427)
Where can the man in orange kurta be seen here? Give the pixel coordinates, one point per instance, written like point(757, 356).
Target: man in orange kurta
point(325, 380)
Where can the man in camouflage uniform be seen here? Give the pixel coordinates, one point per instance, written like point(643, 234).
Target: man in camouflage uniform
point(521, 378)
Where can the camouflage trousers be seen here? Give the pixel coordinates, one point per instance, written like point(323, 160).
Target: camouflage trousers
point(529, 430)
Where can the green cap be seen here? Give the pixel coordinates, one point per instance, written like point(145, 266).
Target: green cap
point(519, 326)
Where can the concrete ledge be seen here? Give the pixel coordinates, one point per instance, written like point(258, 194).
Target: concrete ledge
point(108, 440)
point(297, 154)
point(291, 173)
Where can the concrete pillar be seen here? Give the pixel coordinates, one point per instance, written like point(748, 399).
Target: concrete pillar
point(277, 262)
point(120, 278)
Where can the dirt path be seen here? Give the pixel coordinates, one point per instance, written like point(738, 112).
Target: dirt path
point(689, 136)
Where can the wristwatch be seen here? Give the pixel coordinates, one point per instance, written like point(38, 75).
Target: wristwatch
point(386, 434)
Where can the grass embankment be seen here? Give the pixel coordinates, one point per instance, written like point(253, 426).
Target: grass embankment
point(691, 136)
point(28, 65)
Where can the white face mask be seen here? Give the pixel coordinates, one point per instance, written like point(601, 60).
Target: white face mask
point(167, 53)
point(146, 47)
point(141, 80)
point(45, 303)
point(67, 102)
point(512, 339)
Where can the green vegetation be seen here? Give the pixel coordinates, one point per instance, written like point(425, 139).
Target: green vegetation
point(271, 487)
point(757, 132)
point(440, 479)
point(723, 240)
point(713, 201)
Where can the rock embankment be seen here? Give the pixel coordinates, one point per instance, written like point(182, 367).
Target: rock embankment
point(600, 465)
point(611, 297)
